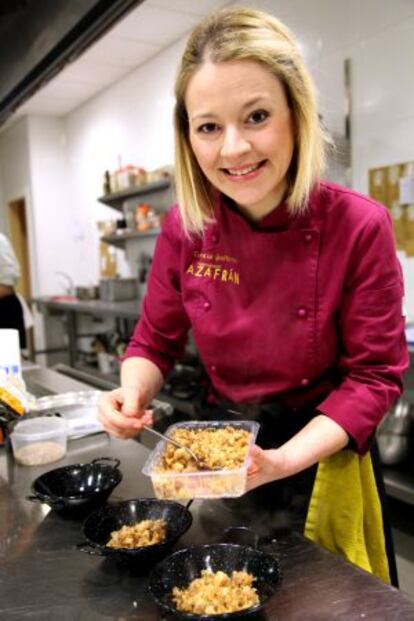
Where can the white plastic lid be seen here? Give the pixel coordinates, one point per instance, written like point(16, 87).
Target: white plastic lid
point(40, 428)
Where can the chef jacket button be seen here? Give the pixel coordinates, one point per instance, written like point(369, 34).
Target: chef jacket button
point(304, 381)
point(308, 237)
point(213, 368)
point(206, 305)
point(302, 312)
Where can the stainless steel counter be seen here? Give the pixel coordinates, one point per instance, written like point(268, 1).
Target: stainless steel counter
point(128, 309)
point(41, 381)
point(44, 576)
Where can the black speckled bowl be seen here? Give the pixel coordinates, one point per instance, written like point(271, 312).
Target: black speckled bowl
point(100, 524)
point(183, 566)
point(77, 487)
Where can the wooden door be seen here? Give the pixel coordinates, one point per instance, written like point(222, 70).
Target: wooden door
point(19, 240)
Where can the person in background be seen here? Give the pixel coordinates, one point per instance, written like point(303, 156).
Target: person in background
point(290, 283)
point(11, 311)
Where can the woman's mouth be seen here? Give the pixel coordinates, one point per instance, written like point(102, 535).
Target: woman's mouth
point(244, 172)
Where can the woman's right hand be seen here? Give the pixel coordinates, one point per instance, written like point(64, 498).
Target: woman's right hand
point(123, 412)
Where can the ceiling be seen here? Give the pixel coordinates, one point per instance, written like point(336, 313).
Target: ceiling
point(144, 32)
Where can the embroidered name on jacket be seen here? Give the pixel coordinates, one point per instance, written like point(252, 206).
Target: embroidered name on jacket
point(221, 268)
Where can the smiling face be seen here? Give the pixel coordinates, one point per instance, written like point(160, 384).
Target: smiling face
point(241, 132)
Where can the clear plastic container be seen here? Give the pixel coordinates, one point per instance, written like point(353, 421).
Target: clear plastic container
point(40, 440)
point(227, 483)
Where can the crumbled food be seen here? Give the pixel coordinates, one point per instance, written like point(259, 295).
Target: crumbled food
point(217, 593)
point(144, 533)
point(39, 453)
point(209, 485)
point(219, 448)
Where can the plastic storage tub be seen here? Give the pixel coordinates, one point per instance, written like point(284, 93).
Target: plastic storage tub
point(227, 483)
point(39, 440)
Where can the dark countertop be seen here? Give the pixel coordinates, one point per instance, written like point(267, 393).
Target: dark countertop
point(44, 577)
point(128, 309)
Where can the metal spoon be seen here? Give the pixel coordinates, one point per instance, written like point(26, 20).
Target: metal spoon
point(200, 463)
point(234, 412)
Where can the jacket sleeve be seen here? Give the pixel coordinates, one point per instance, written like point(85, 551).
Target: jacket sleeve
point(161, 332)
point(373, 350)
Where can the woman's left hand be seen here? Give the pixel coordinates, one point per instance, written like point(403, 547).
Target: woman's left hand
point(265, 466)
point(320, 438)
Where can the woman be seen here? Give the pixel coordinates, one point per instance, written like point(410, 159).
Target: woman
point(290, 284)
point(11, 312)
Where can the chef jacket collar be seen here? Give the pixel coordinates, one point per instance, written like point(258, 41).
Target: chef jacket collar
point(277, 220)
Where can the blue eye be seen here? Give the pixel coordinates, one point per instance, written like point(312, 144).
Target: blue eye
point(207, 128)
point(258, 116)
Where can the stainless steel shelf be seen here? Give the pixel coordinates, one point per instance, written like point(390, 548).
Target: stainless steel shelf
point(118, 199)
point(120, 240)
point(127, 309)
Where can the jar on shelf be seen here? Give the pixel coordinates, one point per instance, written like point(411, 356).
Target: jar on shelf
point(141, 176)
point(144, 215)
point(130, 175)
point(115, 181)
point(123, 178)
point(107, 183)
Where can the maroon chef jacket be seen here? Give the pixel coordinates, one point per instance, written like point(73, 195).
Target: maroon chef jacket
point(277, 308)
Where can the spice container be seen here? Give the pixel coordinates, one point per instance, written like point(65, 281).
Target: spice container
point(145, 218)
point(40, 440)
point(225, 483)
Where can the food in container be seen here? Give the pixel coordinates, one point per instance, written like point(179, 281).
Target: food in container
point(38, 441)
point(208, 448)
point(185, 481)
point(178, 571)
point(217, 593)
point(100, 524)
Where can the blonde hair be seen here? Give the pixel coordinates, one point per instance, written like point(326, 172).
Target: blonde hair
point(245, 34)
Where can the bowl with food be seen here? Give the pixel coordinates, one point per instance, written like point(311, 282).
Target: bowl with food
point(135, 532)
point(77, 487)
point(223, 447)
point(220, 581)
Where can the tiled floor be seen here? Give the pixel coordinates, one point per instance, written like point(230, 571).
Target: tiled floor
point(402, 519)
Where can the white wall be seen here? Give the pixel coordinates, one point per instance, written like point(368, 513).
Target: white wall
point(15, 182)
point(132, 119)
point(56, 247)
point(378, 37)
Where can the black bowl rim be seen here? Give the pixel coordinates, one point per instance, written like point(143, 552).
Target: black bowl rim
point(84, 495)
point(133, 551)
point(191, 616)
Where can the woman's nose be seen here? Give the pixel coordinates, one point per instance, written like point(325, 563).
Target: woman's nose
point(234, 144)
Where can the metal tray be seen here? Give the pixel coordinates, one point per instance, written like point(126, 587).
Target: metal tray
point(78, 408)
